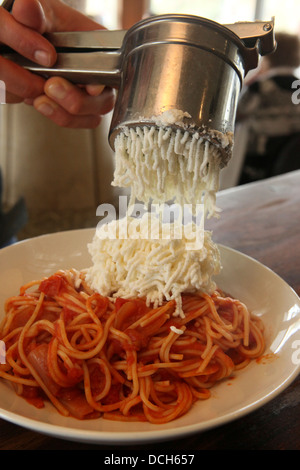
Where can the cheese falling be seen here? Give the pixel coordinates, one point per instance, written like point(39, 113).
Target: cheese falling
point(160, 165)
point(157, 270)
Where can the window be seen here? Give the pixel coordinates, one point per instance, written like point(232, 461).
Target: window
point(287, 14)
point(222, 11)
point(99, 10)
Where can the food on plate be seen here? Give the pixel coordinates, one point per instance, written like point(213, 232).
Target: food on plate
point(122, 359)
point(144, 332)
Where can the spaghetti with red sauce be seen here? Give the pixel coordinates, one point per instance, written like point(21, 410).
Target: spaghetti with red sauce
point(92, 356)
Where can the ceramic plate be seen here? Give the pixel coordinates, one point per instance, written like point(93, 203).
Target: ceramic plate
point(266, 294)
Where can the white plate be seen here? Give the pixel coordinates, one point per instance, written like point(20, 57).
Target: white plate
point(262, 290)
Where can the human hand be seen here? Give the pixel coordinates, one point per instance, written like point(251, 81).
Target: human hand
point(66, 104)
point(21, 84)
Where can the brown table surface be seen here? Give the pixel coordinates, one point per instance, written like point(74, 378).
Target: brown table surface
point(261, 220)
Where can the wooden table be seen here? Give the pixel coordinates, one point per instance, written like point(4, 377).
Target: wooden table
point(262, 220)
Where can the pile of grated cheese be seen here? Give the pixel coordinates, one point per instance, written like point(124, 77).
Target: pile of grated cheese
point(157, 270)
point(160, 164)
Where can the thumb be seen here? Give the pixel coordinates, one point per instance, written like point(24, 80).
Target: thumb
point(31, 13)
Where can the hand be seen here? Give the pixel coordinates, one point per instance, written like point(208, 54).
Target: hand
point(72, 106)
point(64, 103)
point(18, 35)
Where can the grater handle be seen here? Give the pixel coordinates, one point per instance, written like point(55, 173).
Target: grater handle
point(258, 34)
point(86, 68)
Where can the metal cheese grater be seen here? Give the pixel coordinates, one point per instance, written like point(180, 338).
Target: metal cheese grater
point(162, 63)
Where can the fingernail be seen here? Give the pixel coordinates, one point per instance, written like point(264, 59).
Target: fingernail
point(57, 91)
point(43, 58)
point(45, 109)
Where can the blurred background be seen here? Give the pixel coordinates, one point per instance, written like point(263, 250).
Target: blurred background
point(53, 179)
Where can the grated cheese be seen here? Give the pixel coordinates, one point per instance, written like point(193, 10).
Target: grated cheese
point(155, 269)
point(160, 164)
point(176, 330)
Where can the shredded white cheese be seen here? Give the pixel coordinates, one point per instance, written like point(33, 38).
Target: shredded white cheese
point(155, 269)
point(169, 161)
point(160, 164)
point(176, 330)
point(170, 117)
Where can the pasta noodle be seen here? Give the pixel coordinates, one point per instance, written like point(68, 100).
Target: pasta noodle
point(121, 359)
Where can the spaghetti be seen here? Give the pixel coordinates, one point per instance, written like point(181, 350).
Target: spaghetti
point(122, 360)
